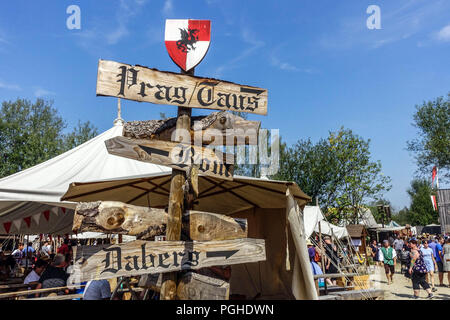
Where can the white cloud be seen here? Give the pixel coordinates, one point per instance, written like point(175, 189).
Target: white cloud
point(40, 92)
point(282, 65)
point(9, 86)
point(95, 38)
point(254, 44)
point(444, 34)
point(168, 8)
point(399, 22)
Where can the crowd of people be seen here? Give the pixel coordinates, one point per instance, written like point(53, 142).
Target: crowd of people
point(48, 268)
point(420, 258)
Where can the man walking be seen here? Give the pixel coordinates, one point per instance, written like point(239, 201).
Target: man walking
point(398, 245)
point(389, 258)
point(439, 257)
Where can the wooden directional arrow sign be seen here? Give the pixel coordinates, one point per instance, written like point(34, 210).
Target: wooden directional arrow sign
point(143, 257)
point(150, 85)
point(175, 155)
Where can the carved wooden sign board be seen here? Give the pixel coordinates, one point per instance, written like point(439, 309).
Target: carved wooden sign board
point(148, 257)
point(174, 155)
point(139, 83)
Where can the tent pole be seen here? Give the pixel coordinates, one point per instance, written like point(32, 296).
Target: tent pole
point(26, 252)
point(322, 256)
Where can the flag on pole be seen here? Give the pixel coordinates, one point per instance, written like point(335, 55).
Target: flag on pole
point(434, 175)
point(433, 200)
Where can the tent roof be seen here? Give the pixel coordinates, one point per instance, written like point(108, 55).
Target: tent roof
point(215, 195)
point(367, 219)
point(39, 188)
point(312, 215)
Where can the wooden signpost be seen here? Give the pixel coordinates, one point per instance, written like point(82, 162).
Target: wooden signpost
point(139, 83)
point(146, 223)
point(150, 257)
point(175, 155)
point(159, 142)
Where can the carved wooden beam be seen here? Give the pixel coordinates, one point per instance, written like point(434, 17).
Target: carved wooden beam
point(234, 128)
point(146, 223)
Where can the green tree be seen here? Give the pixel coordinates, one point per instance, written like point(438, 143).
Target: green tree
point(31, 133)
point(421, 211)
point(337, 170)
point(80, 134)
point(402, 217)
point(432, 147)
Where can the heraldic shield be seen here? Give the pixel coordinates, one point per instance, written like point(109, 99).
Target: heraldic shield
point(187, 41)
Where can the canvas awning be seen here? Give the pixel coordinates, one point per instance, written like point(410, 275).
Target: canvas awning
point(30, 199)
point(215, 195)
point(312, 215)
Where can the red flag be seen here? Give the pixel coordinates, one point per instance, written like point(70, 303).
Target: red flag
point(433, 175)
point(46, 214)
point(63, 210)
point(433, 200)
point(7, 226)
point(27, 220)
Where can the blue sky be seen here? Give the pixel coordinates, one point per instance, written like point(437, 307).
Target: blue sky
point(322, 66)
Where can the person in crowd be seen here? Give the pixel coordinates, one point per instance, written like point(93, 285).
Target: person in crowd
point(418, 271)
point(391, 240)
point(64, 248)
point(398, 245)
point(439, 260)
point(313, 256)
point(446, 259)
point(406, 245)
point(97, 290)
point(35, 274)
point(28, 254)
point(54, 275)
point(432, 245)
point(17, 254)
point(332, 260)
point(428, 257)
point(46, 250)
point(374, 249)
point(388, 256)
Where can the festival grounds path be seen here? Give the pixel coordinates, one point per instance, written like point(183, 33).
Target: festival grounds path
point(401, 289)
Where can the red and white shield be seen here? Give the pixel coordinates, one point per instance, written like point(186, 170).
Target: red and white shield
point(187, 41)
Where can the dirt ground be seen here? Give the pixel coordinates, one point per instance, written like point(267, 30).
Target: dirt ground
point(401, 289)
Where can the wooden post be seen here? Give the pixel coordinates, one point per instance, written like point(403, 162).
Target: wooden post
point(176, 204)
point(322, 257)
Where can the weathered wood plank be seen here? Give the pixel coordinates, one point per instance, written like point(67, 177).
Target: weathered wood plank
point(62, 297)
point(233, 129)
point(145, 223)
point(143, 257)
point(175, 155)
point(31, 292)
point(140, 83)
point(194, 286)
point(335, 275)
point(361, 294)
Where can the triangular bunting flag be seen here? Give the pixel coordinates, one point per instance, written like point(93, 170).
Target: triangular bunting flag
point(37, 218)
point(55, 210)
point(27, 221)
point(7, 226)
point(63, 210)
point(46, 214)
point(17, 223)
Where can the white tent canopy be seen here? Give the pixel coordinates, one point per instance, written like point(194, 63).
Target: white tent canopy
point(30, 199)
point(312, 215)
